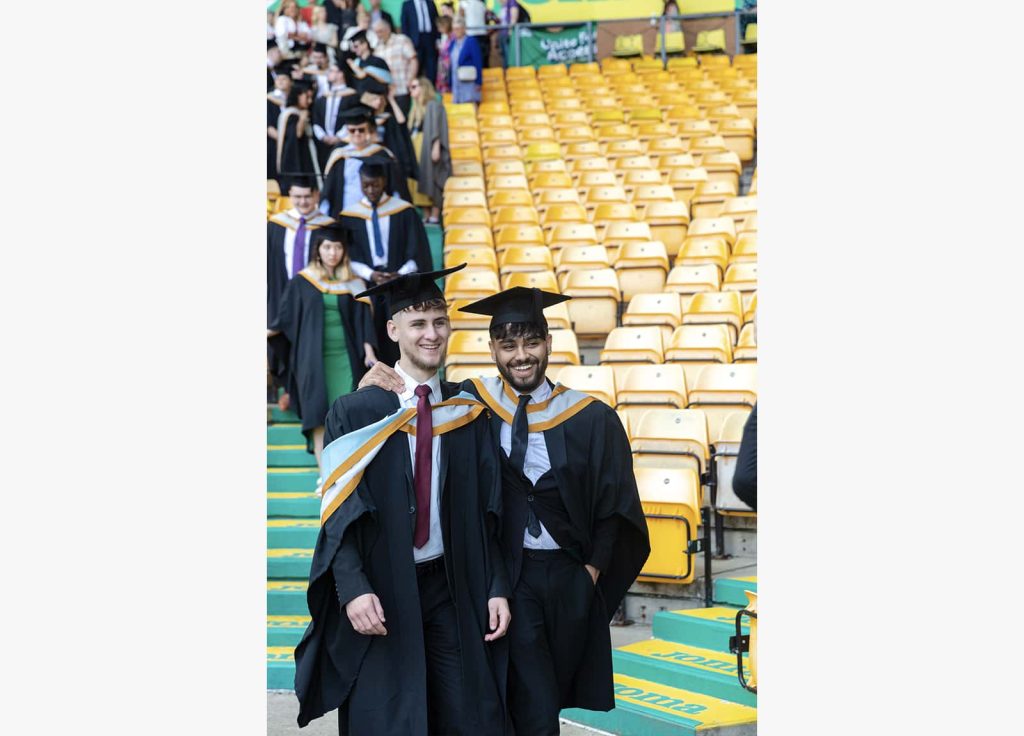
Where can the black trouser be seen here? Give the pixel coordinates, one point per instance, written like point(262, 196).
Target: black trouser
point(443, 653)
point(404, 103)
point(484, 40)
point(426, 52)
point(550, 610)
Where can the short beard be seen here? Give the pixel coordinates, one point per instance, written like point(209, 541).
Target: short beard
point(423, 366)
point(514, 382)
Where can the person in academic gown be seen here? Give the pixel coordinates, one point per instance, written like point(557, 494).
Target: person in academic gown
point(323, 336)
point(296, 148)
point(327, 122)
point(407, 590)
point(573, 531)
point(342, 188)
point(401, 248)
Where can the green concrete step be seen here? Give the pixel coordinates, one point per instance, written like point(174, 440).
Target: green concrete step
point(304, 505)
point(285, 434)
point(730, 590)
point(287, 598)
point(276, 415)
point(651, 709)
point(685, 667)
point(288, 564)
point(290, 456)
point(708, 628)
point(291, 480)
point(280, 668)
point(285, 631)
point(292, 533)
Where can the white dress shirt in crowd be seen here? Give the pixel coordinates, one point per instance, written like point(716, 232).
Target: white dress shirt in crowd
point(289, 241)
point(380, 263)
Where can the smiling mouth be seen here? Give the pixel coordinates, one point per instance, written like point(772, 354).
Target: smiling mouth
point(523, 369)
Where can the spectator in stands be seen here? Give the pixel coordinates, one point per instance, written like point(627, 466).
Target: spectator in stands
point(444, 55)
point(296, 148)
point(419, 23)
point(271, 34)
point(327, 123)
point(362, 25)
point(398, 52)
point(511, 13)
point(429, 118)
point(323, 337)
point(573, 531)
point(341, 14)
point(672, 25)
point(388, 240)
point(293, 33)
point(276, 101)
point(474, 12)
point(467, 65)
point(273, 59)
point(447, 10)
point(318, 67)
point(376, 13)
point(324, 32)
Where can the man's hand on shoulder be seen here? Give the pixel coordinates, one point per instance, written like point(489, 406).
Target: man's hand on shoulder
point(383, 376)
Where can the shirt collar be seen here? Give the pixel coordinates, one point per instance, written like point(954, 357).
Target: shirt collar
point(380, 203)
point(539, 394)
point(296, 214)
point(411, 383)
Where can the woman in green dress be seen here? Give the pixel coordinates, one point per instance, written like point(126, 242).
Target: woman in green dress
point(323, 335)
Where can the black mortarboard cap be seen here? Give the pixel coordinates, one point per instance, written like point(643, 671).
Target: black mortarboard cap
point(358, 36)
point(410, 289)
point(355, 114)
point(518, 304)
point(285, 67)
point(375, 165)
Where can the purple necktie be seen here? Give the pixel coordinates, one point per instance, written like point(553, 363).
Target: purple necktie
point(421, 473)
point(299, 251)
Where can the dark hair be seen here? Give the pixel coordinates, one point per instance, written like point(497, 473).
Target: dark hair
point(426, 306)
point(303, 181)
point(512, 330)
point(334, 234)
point(298, 89)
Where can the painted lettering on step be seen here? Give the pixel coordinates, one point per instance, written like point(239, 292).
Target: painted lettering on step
point(696, 659)
point(658, 700)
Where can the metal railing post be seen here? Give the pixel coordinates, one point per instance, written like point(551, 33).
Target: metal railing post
point(664, 52)
point(736, 33)
point(515, 38)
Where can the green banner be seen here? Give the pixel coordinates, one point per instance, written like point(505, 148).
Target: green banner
point(538, 47)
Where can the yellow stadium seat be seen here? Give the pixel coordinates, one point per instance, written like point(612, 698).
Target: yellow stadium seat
point(712, 227)
point(551, 180)
point(674, 43)
point(665, 164)
point(283, 204)
point(697, 251)
point(746, 345)
point(571, 233)
point(548, 197)
point(539, 167)
point(547, 150)
point(641, 267)
point(594, 307)
point(668, 222)
point(508, 181)
point(682, 62)
point(648, 116)
point(720, 390)
point(695, 346)
point(516, 216)
point(468, 236)
point(519, 234)
point(589, 163)
point(499, 198)
point(654, 308)
point(564, 213)
point(460, 373)
point(671, 438)
point(650, 386)
point(467, 216)
point(632, 345)
point(599, 178)
point(575, 133)
point(739, 137)
point(649, 131)
point(647, 193)
point(273, 187)
point(495, 153)
point(596, 380)
point(582, 149)
point(467, 168)
point(565, 349)
point(569, 118)
point(466, 320)
point(466, 109)
point(740, 277)
point(665, 146)
point(469, 347)
point(544, 280)
point(670, 499)
point(690, 129)
point(519, 72)
point(508, 167)
point(646, 63)
point(746, 103)
point(520, 107)
point(745, 249)
point(552, 70)
point(631, 45)
point(463, 137)
point(604, 195)
point(619, 232)
point(462, 199)
point(581, 257)
point(617, 149)
point(739, 208)
point(533, 120)
point(678, 113)
point(716, 307)
point(463, 184)
point(684, 182)
point(605, 214)
point(471, 285)
point(749, 224)
point(633, 178)
point(688, 280)
point(728, 117)
point(706, 145)
point(525, 258)
point(580, 68)
point(709, 198)
point(749, 307)
point(615, 132)
point(722, 166)
point(462, 123)
point(465, 153)
point(476, 259)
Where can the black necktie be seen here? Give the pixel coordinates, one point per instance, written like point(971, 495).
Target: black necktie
point(520, 440)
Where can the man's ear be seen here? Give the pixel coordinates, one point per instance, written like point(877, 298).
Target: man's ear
point(392, 330)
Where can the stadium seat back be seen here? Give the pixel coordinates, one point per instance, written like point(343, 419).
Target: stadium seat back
point(633, 345)
point(670, 499)
point(594, 307)
point(716, 308)
point(471, 285)
point(596, 380)
point(651, 386)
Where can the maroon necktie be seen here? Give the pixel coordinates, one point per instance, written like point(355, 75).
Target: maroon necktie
point(421, 473)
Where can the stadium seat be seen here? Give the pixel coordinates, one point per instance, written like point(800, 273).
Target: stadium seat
point(588, 163)
point(466, 320)
point(510, 235)
point(525, 215)
point(508, 182)
point(581, 257)
point(739, 208)
point(749, 308)
point(629, 45)
point(632, 345)
point(670, 499)
point(746, 346)
point(684, 182)
point(467, 216)
point(749, 224)
point(569, 118)
point(617, 149)
point(594, 307)
point(720, 390)
point(727, 448)
point(633, 178)
point(552, 70)
point(697, 251)
point(666, 146)
point(746, 103)
point(688, 280)
point(558, 317)
point(460, 373)
point(580, 68)
point(467, 168)
point(565, 349)
point(722, 166)
point(648, 193)
point(573, 233)
point(633, 163)
point(463, 137)
point(596, 380)
point(538, 134)
point(745, 249)
point(544, 280)
point(463, 184)
point(641, 267)
point(651, 115)
point(545, 198)
point(671, 438)
point(696, 346)
point(547, 150)
point(593, 179)
point(541, 167)
point(525, 258)
point(668, 222)
point(695, 128)
point(647, 132)
point(502, 121)
point(674, 42)
point(605, 214)
point(620, 232)
point(564, 213)
point(461, 199)
point(615, 132)
point(471, 285)
point(709, 198)
point(682, 62)
point(705, 145)
point(469, 347)
point(551, 180)
point(650, 386)
point(476, 259)
point(654, 308)
point(576, 134)
point(716, 307)
point(510, 151)
point(712, 228)
point(468, 236)
point(499, 198)
point(603, 195)
point(740, 277)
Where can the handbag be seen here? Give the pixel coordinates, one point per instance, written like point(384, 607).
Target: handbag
point(466, 73)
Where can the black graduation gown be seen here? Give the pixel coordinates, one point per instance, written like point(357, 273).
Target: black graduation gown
point(320, 118)
point(366, 546)
point(273, 113)
point(398, 140)
point(593, 465)
point(277, 270)
point(299, 347)
point(407, 240)
point(333, 190)
point(295, 156)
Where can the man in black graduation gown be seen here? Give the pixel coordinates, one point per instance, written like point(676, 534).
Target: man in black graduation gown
point(328, 126)
point(388, 239)
point(407, 591)
point(573, 531)
point(342, 188)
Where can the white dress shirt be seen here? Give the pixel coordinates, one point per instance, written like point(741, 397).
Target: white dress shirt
point(353, 189)
point(380, 263)
point(289, 241)
point(332, 106)
point(537, 463)
point(475, 14)
point(435, 544)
